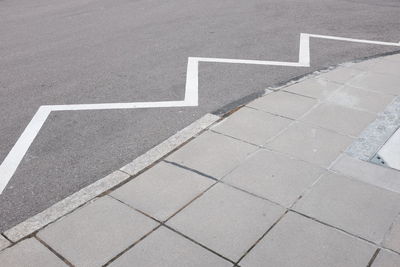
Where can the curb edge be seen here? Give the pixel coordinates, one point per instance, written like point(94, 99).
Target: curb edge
point(116, 178)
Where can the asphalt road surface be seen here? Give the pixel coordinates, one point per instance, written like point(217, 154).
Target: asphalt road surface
point(96, 51)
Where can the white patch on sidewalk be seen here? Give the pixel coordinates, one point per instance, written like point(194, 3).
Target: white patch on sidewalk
point(390, 152)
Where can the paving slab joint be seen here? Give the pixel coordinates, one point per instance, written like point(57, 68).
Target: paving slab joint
point(191, 169)
point(371, 261)
point(201, 245)
point(266, 232)
point(131, 246)
point(54, 252)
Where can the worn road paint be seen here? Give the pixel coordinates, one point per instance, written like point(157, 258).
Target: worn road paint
point(16, 154)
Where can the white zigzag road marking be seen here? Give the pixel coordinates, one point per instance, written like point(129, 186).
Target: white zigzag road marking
point(15, 156)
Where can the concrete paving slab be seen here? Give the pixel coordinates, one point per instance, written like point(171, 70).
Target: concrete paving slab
point(212, 153)
point(395, 57)
point(65, 206)
point(341, 119)
point(310, 143)
point(3, 242)
point(299, 241)
point(162, 190)
point(386, 259)
point(167, 248)
point(284, 104)
point(94, 234)
point(353, 206)
point(274, 176)
point(365, 65)
point(392, 237)
point(388, 84)
point(226, 220)
point(379, 65)
point(169, 145)
point(358, 98)
point(29, 252)
point(252, 125)
point(315, 87)
point(341, 74)
point(386, 67)
point(367, 172)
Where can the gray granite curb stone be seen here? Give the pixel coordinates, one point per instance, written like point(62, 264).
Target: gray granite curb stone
point(3, 242)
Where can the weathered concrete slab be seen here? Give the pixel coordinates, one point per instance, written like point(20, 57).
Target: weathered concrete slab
point(226, 220)
point(299, 241)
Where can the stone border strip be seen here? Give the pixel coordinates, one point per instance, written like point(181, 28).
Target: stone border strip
point(377, 133)
point(67, 205)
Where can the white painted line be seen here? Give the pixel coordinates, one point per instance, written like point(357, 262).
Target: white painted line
point(84, 195)
point(353, 40)
point(15, 156)
point(192, 82)
point(251, 62)
point(304, 49)
point(109, 106)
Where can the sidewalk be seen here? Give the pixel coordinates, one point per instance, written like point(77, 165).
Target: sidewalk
point(279, 182)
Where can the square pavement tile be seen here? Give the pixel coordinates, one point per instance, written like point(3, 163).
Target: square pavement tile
point(379, 65)
point(392, 237)
point(365, 64)
point(341, 74)
point(29, 252)
point(3, 242)
point(298, 241)
point(386, 67)
point(162, 190)
point(253, 126)
point(386, 259)
point(340, 119)
point(284, 104)
point(226, 220)
point(212, 153)
point(314, 87)
point(273, 176)
point(388, 84)
point(353, 97)
point(167, 248)
point(310, 143)
point(94, 234)
point(367, 172)
point(395, 57)
point(353, 206)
